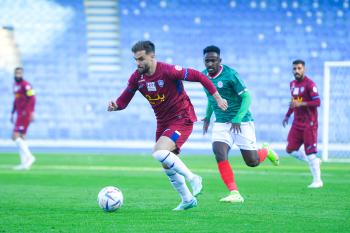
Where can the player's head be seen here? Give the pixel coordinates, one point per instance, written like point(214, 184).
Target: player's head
point(298, 69)
point(212, 60)
point(144, 54)
point(18, 74)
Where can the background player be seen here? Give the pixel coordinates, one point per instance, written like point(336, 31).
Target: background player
point(234, 125)
point(161, 84)
point(305, 100)
point(23, 105)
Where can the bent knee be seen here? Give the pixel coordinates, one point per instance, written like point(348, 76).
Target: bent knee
point(253, 163)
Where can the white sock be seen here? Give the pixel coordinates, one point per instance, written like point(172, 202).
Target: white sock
point(23, 150)
point(314, 165)
point(300, 154)
point(173, 162)
point(179, 184)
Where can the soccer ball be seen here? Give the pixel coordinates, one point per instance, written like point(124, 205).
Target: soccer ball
point(110, 198)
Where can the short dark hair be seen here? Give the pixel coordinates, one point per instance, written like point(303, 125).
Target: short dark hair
point(211, 48)
point(146, 45)
point(299, 61)
point(18, 68)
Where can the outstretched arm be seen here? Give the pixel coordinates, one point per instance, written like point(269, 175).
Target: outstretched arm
point(196, 76)
point(124, 99)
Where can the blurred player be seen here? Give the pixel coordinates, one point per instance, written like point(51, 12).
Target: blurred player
point(161, 84)
point(234, 126)
point(305, 100)
point(23, 105)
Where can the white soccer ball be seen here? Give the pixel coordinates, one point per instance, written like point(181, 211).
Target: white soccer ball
point(110, 198)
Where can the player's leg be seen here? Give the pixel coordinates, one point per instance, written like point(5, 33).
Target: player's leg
point(246, 141)
point(18, 136)
point(221, 143)
point(170, 142)
point(310, 145)
point(295, 140)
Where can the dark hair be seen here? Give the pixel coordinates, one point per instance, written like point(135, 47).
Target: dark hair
point(18, 68)
point(299, 61)
point(146, 45)
point(211, 48)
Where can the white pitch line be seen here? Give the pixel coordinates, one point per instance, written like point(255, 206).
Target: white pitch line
point(5, 168)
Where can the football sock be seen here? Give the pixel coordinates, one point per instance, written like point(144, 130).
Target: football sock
point(227, 175)
point(262, 153)
point(314, 165)
point(23, 150)
point(173, 162)
point(300, 154)
point(179, 184)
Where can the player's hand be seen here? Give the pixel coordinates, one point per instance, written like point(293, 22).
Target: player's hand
point(285, 121)
point(296, 104)
point(222, 103)
point(206, 123)
point(112, 106)
point(236, 128)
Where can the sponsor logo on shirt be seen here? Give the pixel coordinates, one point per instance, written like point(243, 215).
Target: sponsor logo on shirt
point(302, 89)
point(161, 83)
point(151, 86)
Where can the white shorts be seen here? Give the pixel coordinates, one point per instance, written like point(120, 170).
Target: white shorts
point(245, 140)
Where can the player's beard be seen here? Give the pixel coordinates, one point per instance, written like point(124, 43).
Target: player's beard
point(18, 79)
point(298, 77)
point(143, 70)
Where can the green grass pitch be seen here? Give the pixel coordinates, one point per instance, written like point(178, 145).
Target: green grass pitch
point(59, 195)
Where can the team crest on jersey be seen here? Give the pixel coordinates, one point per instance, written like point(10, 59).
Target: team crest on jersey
point(151, 86)
point(314, 89)
point(178, 68)
point(161, 83)
point(220, 84)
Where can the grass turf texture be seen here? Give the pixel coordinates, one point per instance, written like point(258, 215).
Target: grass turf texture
point(59, 195)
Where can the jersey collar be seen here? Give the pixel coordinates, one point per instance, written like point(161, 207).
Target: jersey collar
point(215, 76)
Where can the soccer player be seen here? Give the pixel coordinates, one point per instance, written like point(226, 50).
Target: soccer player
point(233, 126)
point(305, 100)
point(23, 105)
point(161, 84)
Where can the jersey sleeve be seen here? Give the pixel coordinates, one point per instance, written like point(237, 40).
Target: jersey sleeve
point(30, 93)
point(187, 74)
point(237, 84)
point(315, 97)
point(124, 99)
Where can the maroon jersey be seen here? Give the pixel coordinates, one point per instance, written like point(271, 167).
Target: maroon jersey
point(304, 91)
point(165, 92)
point(24, 97)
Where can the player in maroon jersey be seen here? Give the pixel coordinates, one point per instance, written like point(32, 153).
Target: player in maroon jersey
point(161, 84)
point(23, 105)
point(305, 100)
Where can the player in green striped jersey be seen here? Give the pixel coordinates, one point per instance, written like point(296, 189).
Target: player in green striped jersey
point(235, 125)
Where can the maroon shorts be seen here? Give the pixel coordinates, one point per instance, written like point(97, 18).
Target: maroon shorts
point(22, 123)
point(307, 136)
point(178, 131)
